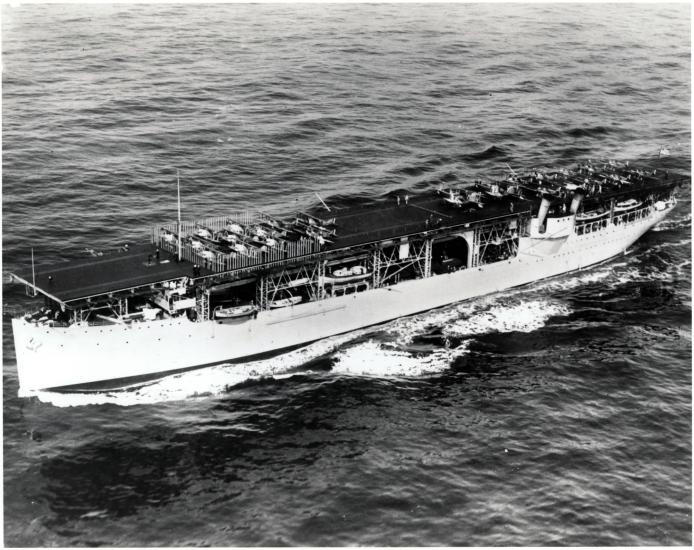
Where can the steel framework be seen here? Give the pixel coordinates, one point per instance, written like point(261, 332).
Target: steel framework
point(418, 256)
point(307, 276)
point(202, 305)
point(502, 234)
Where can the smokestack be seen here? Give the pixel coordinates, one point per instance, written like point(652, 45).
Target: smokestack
point(576, 202)
point(542, 214)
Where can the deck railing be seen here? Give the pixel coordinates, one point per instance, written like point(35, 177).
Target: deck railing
point(627, 218)
point(218, 260)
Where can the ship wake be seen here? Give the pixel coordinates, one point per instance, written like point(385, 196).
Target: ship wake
point(400, 355)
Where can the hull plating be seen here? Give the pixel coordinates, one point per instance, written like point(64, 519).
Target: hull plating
point(55, 357)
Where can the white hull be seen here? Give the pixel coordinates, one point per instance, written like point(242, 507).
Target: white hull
point(50, 357)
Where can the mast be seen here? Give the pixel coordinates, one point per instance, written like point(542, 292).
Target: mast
point(178, 188)
point(33, 271)
point(323, 202)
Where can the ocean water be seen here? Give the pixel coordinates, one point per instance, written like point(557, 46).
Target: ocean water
point(558, 413)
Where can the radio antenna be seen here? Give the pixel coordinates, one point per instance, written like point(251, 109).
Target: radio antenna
point(33, 271)
point(178, 189)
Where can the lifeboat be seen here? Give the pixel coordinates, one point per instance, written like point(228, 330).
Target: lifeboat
point(342, 272)
point(592, 216)
point(347, 275)
point(623, 206)
point(235, 312)
point(299, 282)
point(285, 302)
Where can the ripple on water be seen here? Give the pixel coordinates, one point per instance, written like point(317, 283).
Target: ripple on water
point(557, 413)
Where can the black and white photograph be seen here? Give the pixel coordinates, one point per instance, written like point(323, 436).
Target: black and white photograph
point(346, 274)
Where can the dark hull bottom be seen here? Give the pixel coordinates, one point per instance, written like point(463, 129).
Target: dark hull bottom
point(134, 382)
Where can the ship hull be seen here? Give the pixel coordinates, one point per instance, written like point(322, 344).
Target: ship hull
point(57, 357)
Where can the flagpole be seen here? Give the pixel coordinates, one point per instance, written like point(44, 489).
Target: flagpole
point(33, 271)
point(178, 188)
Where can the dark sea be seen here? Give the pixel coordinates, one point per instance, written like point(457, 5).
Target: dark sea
point(559, 413)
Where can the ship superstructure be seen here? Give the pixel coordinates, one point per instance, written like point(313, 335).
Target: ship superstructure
point(237, 286)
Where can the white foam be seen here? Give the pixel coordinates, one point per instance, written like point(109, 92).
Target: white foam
point(407, 328)
point(674, 244)
point(382, 361)
point(521, 317)
point(623, 271)
point(684, 267)
point(673, 223)
point(482, 316)
point(574, 280)
point(205, 382)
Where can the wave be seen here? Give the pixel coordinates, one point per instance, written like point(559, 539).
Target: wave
point(392, 359)
point(359, 50)
point(488, 153)
point(671, 244)
point(375, 359)
point(588, 131)
point(674, 223)
point(414, 170)
point(437, 133)
point(321, 124)
point(436, 180)
point(280, 95)
point(625, 90)
point(526, 316)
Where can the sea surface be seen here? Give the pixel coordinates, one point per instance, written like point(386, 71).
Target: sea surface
point(558, 413)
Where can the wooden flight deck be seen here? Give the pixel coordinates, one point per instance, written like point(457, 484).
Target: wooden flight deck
point(100, 275)
point(357, 226)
